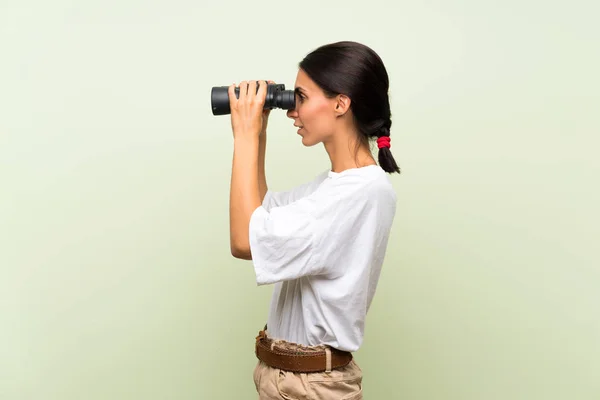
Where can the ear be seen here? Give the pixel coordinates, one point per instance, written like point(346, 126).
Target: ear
point(342, 104)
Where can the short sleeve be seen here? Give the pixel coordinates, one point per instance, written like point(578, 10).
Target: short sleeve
point(305, 237)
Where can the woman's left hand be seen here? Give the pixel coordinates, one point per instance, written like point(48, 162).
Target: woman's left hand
point(247, 110)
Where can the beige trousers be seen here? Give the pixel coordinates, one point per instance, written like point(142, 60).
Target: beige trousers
point(340, 384)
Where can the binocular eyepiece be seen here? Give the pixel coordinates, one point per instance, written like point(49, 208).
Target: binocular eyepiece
point(277, 97)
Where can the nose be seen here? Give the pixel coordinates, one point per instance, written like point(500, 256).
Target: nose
point(292, 113)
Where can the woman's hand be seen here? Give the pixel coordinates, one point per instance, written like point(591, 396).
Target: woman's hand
point(247, 115)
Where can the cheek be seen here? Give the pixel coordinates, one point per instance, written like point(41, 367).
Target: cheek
point(314, 115)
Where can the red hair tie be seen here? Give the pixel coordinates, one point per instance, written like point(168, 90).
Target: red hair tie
point(383, 141)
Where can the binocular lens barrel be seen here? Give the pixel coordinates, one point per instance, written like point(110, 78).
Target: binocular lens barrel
point(277, 97)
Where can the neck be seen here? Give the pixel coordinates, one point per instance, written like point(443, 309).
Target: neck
point(346, 151)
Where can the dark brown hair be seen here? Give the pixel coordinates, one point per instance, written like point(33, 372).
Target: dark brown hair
point(355, 70)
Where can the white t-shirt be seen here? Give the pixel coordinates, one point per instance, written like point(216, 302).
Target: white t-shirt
point(322, 245)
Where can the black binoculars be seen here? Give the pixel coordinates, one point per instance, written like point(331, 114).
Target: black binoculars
point(277, 97)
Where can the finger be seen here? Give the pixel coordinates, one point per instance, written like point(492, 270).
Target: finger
point(262, 92)
point(251, 90)
point(243, 91)
point(232, 98)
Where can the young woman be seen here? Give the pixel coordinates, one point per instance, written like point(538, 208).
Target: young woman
point(321, 244)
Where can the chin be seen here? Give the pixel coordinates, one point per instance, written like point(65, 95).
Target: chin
point(307, 142)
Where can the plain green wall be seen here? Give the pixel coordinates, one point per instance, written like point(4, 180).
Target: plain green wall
point(116, 280)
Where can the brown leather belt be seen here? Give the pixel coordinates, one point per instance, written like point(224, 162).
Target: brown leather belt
point(298, 361)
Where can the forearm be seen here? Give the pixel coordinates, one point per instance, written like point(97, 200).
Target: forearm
point(262, 180)
point(244, 193)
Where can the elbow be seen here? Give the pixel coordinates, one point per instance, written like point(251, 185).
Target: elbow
point(241, 251)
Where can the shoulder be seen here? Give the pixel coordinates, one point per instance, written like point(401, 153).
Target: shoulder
point(355, 192)
point(369, 182)
point(312, 184)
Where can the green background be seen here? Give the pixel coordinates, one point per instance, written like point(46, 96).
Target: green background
point(116, 280)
